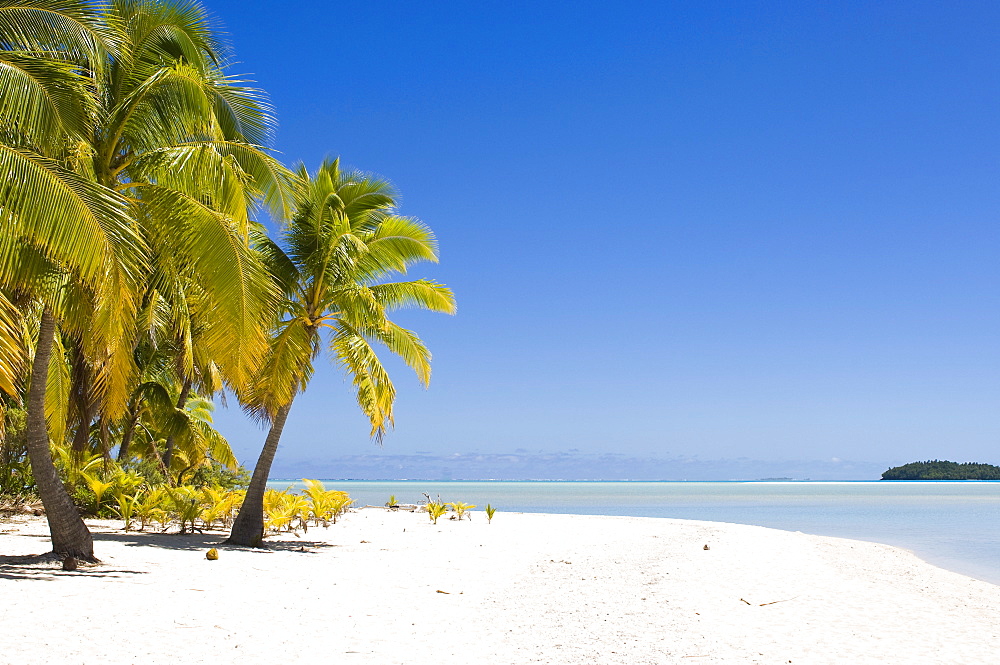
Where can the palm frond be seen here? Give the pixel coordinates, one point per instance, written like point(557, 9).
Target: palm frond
point(57, 392)
point(266, 180)
point(77, 224)
point(421, 294)
point(152, 34)
point(406, 345)
point(375, 392)
point(13, 348)
point(281, 267)
point(356, 304)
point(65, 29)
point(394, 244)
point(218, 448)
point(170, 105)
point(243, 113)
point(285, 371)
point(230, 275)
point(44, 100)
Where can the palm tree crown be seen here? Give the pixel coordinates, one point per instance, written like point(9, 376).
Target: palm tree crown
point(344, 240)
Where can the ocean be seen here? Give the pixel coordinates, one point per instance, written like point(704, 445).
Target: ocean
point(954, 525)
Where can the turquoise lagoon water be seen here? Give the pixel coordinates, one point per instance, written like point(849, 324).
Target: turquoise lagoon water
point(955, 525)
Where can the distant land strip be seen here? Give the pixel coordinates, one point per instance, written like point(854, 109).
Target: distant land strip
point(569, 466)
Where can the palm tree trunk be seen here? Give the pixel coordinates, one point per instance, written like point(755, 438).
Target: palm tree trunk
point(248, 529)
point(105, 440)
point(168, 457)
point(83, 398)
point(70, 536)
point(130, 425)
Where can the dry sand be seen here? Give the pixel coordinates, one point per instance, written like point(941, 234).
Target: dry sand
point(381, 588)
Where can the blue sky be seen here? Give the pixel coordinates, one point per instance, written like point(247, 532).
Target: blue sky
point(711, 230)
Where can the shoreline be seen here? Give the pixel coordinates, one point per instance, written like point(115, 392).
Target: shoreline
point(386, 587)
point(940, 522)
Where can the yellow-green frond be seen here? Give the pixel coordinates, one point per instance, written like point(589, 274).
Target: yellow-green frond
point(235, 285)
point(57, 392)
point(79, 225)
point(407, 346)
point(375, 392)
point(13, 348)
point(287, 367)
point(66, 29)
point(44, 100)
point(419, 294)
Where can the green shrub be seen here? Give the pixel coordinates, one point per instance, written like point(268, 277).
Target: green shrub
point(17, 486)
point(217, 475)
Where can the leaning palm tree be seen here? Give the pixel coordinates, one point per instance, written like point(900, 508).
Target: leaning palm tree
point(128, 160)
point(344, 240)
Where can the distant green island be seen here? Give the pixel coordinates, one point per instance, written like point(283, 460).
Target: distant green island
point(943, 470)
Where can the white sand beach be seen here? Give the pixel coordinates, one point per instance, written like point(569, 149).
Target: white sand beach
point(387, 588)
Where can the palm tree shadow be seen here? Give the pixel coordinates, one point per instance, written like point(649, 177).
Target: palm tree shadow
point(307, 546)
point(48, 567)
point(168, 541)
point(200, 541)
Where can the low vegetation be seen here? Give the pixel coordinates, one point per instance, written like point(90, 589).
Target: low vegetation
point(436, 510)
point(461, 508)
point(139, 496)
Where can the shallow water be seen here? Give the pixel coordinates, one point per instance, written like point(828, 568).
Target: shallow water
point(955, 525)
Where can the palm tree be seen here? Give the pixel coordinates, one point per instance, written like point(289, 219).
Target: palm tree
point(340, 245)
point(128, 159)
point(58, 222)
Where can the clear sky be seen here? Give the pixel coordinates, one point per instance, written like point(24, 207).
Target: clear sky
point(713, 230)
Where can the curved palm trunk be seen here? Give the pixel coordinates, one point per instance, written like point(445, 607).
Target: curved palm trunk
point(168, 456)
point(248, 529)
point(105, 440)
point(129, 433)
point(83, 398)
point(70, 536)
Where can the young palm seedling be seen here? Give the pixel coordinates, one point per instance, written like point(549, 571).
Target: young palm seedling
point(217, 507)
point(339, 503)
point(461, 509)
point(280, 517)
point(186, 506)
point(98, 487)
point(76, 464)
point(148, 509)
point(127, 505)
point(314, 489)
point(436, 510)
point(490, 511)
point(326, 504)
point(232, 503)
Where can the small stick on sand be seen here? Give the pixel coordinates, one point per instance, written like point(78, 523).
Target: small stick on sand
point(777, 601)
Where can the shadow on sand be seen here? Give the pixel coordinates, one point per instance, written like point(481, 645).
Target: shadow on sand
point(203, 541)
point(48, 566)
